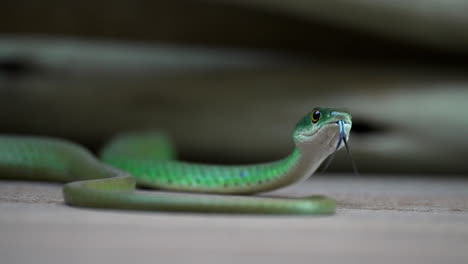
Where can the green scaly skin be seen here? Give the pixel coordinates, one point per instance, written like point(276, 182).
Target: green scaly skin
point(147, 160)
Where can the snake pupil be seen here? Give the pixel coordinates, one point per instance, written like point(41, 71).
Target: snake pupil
point(315, 116)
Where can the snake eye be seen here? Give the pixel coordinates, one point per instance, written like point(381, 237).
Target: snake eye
point(315, 116)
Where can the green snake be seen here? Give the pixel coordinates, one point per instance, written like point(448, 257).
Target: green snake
point(147, 160)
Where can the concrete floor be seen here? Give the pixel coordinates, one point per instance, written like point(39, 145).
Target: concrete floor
point(379, 221)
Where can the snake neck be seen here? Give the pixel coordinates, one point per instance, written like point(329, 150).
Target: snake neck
point(302, 162)
point(296, 167)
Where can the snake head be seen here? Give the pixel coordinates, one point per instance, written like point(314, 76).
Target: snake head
point(321, 127)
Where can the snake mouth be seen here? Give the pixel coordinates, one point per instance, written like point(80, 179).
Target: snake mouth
point(331, 131)
point(337, 124)
point(344, 122)
point(329, 125)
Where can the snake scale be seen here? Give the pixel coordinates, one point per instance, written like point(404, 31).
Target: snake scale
point(147, 160)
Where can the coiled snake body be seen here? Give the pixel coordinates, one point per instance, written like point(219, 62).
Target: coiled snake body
point(146, 160)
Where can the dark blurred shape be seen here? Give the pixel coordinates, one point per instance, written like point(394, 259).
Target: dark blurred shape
point(363, 127)
point(15, 67)
point(214, 24)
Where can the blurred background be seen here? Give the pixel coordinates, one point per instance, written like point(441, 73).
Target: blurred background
point(228, 80)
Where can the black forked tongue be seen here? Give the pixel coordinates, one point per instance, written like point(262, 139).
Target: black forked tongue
point(342, 138)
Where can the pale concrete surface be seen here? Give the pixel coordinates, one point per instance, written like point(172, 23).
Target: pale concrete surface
point(379, 221)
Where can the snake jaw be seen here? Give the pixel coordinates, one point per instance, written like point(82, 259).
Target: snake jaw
point(326, 136)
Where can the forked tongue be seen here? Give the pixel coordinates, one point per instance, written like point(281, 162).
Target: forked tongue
point(342, 138)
